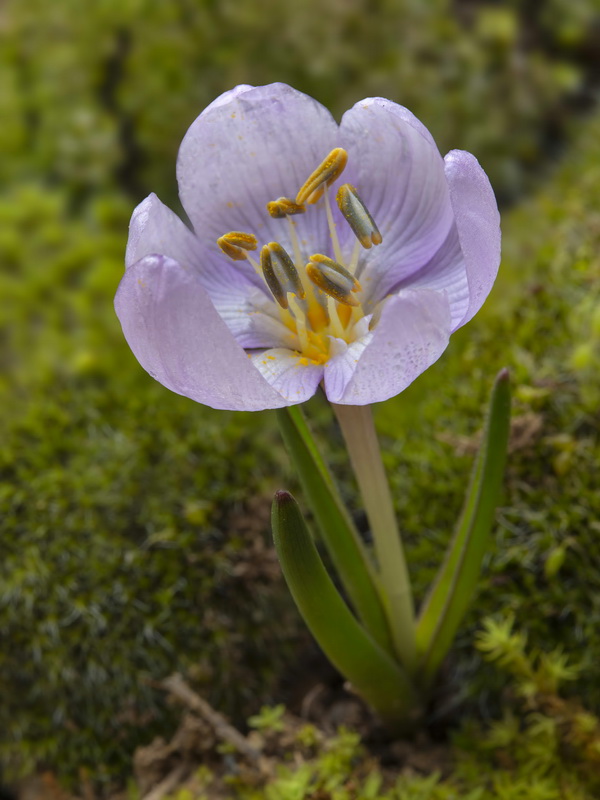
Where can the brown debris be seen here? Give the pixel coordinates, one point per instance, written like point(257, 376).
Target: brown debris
point(525, 429)
point(222, 729)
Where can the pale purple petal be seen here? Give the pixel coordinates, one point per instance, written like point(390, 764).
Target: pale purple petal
point(227, 96)
point(294, 377)
point(478, 225)
point(412, 333)
point(399, 173)
point(178, 337)
point(343, 358)
point(257, 324)
point(446, 272)
point(248, 149)
point(155, 229)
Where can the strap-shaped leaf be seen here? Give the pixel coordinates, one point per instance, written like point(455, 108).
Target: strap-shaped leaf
point(337, 531)
point(373, 673)
point(457, 578)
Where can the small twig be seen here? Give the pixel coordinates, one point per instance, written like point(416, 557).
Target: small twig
point(169, 783)
point(309, 699)
point(224, 731)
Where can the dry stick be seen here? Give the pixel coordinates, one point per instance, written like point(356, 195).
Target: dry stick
point(169, 783)
point(224, 731)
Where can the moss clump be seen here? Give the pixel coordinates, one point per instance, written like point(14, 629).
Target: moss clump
point(506, 761)
point(104, 97)
point(125, 553)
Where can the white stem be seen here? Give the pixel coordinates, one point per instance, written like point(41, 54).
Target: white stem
point(361, 440)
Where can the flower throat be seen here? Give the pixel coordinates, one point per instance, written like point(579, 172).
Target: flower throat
point(317, 298)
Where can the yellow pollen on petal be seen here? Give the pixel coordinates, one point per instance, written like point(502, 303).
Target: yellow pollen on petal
point(325, 174)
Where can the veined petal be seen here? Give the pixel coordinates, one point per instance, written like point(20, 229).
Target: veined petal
point(477, 223)
point(227, 96)
point(154, 228)
point(399, 174)
point(410, 336)
point(343, 358)
point(467, 280)
point(178, 337)
point(294, 377)
point(257, 325)
point(446, 272)
point(249, 148)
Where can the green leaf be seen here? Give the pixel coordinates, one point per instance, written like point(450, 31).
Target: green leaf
point(337, 531)
point(457, 578)
point(373, 673)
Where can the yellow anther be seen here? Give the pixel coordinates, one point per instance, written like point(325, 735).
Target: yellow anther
point(280, 273)
point(324, 175)
point(284, 207)
point(357, 216)
point(333, 279)
point(235, 244)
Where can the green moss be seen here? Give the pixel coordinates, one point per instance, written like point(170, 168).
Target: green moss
point(104, 97)
point(123, 538)
point(506, 765)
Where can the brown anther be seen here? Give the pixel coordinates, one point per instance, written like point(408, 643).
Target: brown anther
point(357, 216)
point(280, 273)
point(324, 175)
point(333, 279)
point(284, 207)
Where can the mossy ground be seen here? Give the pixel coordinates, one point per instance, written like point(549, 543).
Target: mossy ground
point(133, 521)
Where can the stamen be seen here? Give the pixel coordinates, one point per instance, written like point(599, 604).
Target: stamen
point(280, 273)
point(333, 279)
point(337, 250)
point(357, 216)
point(344, 314)
point(352, 266)
point(295, 244)
point(283, 207)
point(324, 175)
point(337, 328)
point(236, 243)
point(300, 318)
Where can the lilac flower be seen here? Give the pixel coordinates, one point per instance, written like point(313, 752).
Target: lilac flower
point(360, 295)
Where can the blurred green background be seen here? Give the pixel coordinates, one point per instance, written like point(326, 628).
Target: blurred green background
point(134, 522)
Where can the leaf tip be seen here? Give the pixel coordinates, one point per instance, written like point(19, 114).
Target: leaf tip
point(503, 376)
point(282, 498)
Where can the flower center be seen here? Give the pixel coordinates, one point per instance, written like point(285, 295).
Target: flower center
point(316, 297)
